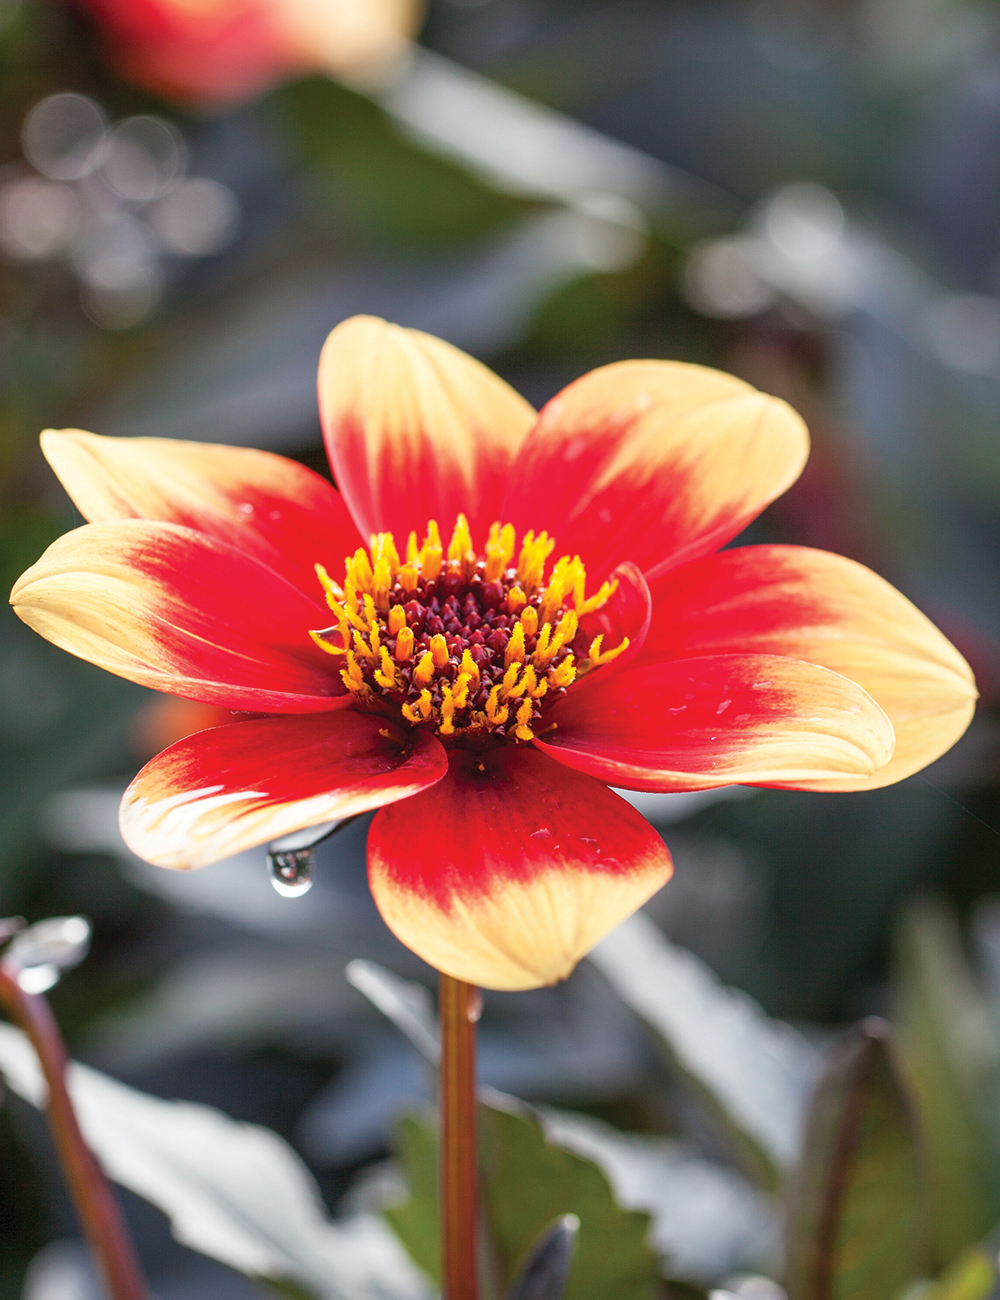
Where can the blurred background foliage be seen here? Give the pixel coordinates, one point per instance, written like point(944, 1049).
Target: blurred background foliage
point(805, 192)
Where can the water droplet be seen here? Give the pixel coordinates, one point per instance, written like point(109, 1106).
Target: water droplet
point(291, 871)
point(38, 979)
point(543, 834)
point(586, 839)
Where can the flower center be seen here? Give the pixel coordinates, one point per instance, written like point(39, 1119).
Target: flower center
point(466, 644)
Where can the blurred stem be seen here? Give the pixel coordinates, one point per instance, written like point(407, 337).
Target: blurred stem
point(96, 1205)
point(459, 1010)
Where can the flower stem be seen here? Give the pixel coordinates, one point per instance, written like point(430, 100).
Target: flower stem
point(96, 1205)
point(459, 1010)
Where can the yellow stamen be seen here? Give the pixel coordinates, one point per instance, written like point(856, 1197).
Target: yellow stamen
point(420, 710)
point(529, 620)
point(527, 684)
point(382, 583)
point(514, 651)
point(396, 619)
point(431, 553)
point(333, 593)
point(385, 674)
point(542, 656)
point(496, 713)
point(412, 550)
point(447, 727)
point(383, 547)
point(424, 670)
point(522, 731)
point(462, 683)
point(360, 570)
point(600, 598)
point(531, 564)
point(567, 626)
point(469, 666)
point(409, 576)
point(515, 600)
point(404, 645)
point(439, 650)
point(509, 678)
point(361, 646)
point(460, 550)
point(595, 656)
point(563, 674)
point(499, 550)
point(352, 675)
point(561, 581)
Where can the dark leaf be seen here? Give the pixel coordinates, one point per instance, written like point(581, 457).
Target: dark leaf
point(546, 1270)
point(856, 1225)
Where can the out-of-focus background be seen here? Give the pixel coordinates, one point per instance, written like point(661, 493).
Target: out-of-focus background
point(804, 192)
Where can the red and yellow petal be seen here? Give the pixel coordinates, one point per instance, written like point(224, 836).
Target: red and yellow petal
point(812, 605)
point(269, 507)
point(174, 609)
point(512, 869)
point(692, 724)
point(230, 788)
point(655, 462)
point(415, 429)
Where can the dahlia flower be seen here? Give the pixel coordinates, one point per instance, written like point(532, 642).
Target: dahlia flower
point(498, 616)
point(223, 51)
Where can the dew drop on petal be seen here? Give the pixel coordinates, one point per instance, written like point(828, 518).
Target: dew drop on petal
point(542, 834)
point(291, 871)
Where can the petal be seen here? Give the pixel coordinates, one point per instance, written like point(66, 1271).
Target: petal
point(268, 506)
point(812, 605)
point(415, 429)
point(653, 461)
point(227, 789)
point(511, 869)
point(171, 608)
point(692, 724)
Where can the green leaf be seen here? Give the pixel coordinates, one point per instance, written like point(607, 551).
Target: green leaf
point(527, 1183)
point(416, 1222)
point(951, 1048)
point(856, 1227)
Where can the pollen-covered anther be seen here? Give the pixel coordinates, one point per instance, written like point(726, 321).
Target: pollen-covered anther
point(469, 644)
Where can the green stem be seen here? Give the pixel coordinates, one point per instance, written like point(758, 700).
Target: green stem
point(459, 1011)
point(96, 1206)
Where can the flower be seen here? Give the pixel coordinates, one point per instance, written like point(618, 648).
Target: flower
point(226, 50)
point(575, 627)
